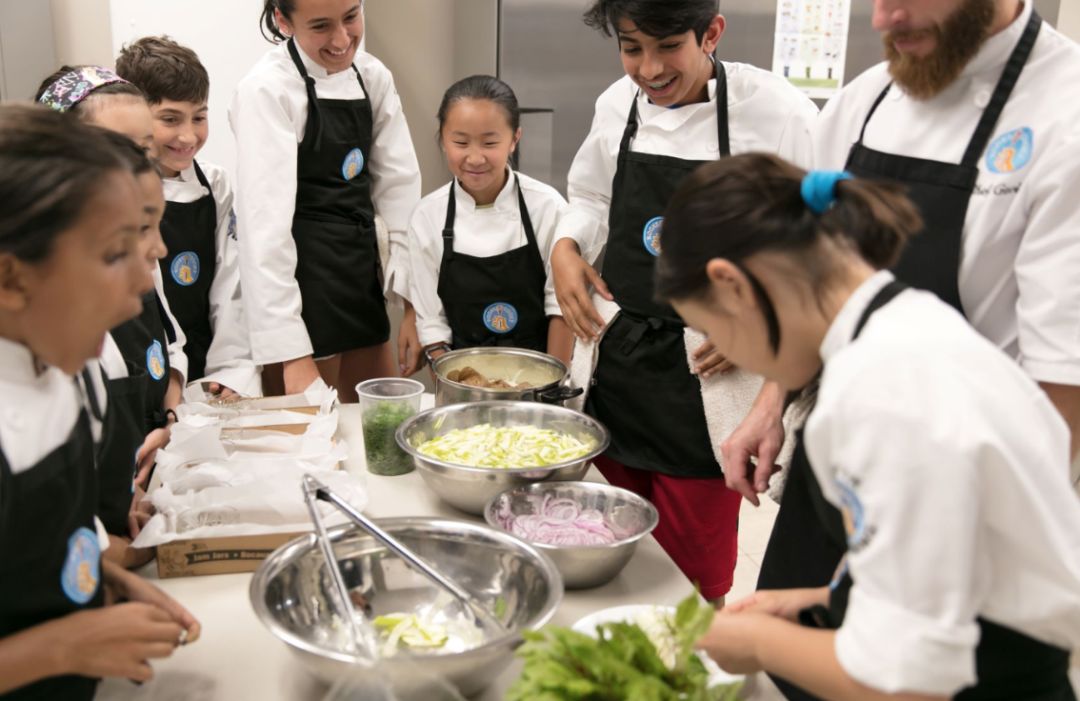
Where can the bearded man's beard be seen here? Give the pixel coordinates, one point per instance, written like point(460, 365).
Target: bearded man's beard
point(958, 39)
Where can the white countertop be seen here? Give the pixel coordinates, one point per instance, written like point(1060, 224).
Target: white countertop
point(238, 659)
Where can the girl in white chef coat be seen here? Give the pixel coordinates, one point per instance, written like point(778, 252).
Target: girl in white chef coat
point(478, 246)
point(947, 464)
point(70, 214)
point(322, 147)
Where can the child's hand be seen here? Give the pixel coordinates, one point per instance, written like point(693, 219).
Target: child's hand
point(708, 361)
point(139, 514)
point(299, 374)
point(129, 586)
point(147, 453)
point(410, 354)
point(731, 642)
point(116, 641)
point(573, 276)
point(781, 603)
point(220, 391)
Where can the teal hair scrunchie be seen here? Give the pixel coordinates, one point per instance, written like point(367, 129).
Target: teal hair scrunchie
point(819, 188)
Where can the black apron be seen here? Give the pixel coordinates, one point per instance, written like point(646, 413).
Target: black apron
point(1009, 665)
point(942, 191)
point(798, 554)
point(497, 300)
point(642, 388)
point(190, 233)
point(337, 256)
point(122, 436)
point(50, 560)
point(144, 343)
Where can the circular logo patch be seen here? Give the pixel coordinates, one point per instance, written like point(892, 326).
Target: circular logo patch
point(651, 235)
point(155, 360)
point(185, 268)
point(1011, 151)
point(500, 317)
point(82, 567)
point(354, 163)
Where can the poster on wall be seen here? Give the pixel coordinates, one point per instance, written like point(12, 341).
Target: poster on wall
point(811, 44)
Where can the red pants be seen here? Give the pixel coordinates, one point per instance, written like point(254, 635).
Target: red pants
point(699, 522)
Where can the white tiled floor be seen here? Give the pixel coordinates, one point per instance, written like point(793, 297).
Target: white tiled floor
point(755, 524)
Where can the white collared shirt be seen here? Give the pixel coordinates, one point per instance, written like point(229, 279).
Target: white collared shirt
point(228, 360)
point(951, 467)
point(268, 115)
point(765, 113)
point(1019, 274)
point(478, 231)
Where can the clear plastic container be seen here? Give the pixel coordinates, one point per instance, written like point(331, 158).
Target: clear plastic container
point(384, 404)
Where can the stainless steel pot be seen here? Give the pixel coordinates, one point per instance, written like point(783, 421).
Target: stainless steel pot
point(547, 375)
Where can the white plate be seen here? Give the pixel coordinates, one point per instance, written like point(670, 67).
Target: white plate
point(629, 614)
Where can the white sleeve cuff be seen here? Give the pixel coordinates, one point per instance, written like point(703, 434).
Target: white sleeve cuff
point(288, 342)
point(895, 650)
point(585, 231)
point(1058, 373)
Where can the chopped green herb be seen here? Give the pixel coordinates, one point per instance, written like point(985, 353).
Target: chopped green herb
point(381, 422)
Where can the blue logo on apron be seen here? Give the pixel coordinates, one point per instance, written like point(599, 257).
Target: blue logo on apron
point(82, 567)
point(854, 515)
point(500, 317)
point(354, 163)
point(155, 360)
point(1011, 151)
point(185, 268)
point(651, 235)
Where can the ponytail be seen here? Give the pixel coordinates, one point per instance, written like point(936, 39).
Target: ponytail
point(736, 207)
point(269, 27)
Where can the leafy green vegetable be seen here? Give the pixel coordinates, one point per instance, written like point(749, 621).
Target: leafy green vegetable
point(384, 456)
point(622, 662)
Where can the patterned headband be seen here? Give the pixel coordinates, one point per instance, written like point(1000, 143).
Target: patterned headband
point(75, 86)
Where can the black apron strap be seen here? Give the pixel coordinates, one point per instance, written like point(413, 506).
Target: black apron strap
point(526, 222)
point(1009, 77)
point(883, 297)
point(91, 396)
point(166, 323)
point(873, 108)
point(448, 225)
point(309, 85)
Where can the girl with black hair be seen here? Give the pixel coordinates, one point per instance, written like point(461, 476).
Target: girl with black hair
point(478, 246)
point(322, 148)
point(70, 270)
point(934, 460)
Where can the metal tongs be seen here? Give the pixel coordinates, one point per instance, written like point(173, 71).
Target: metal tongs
point(316, 490)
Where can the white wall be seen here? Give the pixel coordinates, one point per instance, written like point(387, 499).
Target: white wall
point(1069, 20)
point(82, 32)
point(225, 35)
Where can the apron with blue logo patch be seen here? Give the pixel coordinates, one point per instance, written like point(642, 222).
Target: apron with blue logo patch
point(337, 266)
point(122, 436)
point(497, 300)
point(941, 191)
point(643, 390)
point(50, 560)
point(190, 233)
point(144, 343)
point(1008, 664)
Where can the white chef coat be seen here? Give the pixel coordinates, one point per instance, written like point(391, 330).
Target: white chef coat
point(228, 360)
point(951, 468)
point(1019, 273)
point(268, 115)
point(112, 360)
point(478, 231)
point(765, 113)
point(38, 411)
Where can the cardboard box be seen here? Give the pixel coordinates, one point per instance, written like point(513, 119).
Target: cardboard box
point(228, 555)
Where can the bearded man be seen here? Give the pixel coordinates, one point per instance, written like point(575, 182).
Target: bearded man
point(976, 111)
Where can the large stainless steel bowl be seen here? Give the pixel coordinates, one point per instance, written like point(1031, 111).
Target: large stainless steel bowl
point(470, 488)
point(292, 595)
point(629, 516)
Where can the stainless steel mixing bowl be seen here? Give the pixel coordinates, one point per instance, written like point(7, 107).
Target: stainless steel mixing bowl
point(629, 516)
point(470, 488)
point(292, 595)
